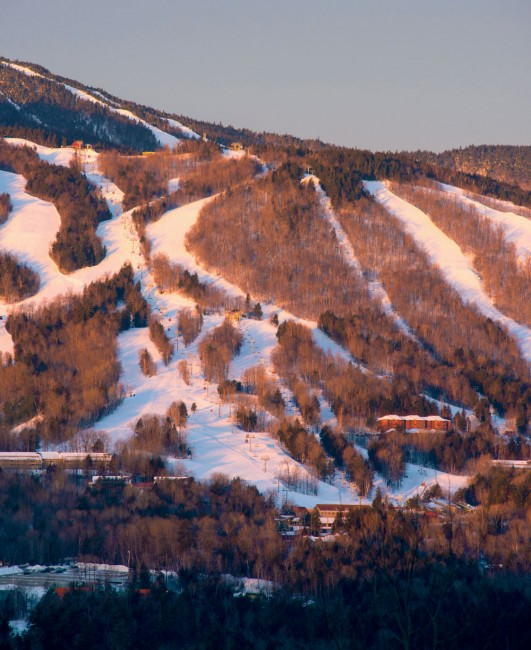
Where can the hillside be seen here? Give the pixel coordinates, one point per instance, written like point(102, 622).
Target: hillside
point(368, 287)
point(280, 389)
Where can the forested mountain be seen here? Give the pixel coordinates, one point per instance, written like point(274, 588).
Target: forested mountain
point(510, 164)
point(217, 332)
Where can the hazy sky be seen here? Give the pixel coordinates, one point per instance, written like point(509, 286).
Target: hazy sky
point(380, 74)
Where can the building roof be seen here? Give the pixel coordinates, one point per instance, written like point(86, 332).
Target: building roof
point(50, 455)
point(407, 418)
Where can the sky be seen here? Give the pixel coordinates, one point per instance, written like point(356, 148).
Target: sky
point(379, 74)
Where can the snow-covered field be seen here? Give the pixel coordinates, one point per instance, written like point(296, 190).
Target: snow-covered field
point(447, 255)
point(61, 156)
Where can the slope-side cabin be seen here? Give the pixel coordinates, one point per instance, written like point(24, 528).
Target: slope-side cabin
point(414, 423)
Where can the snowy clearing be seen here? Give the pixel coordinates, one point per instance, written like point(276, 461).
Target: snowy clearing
point(416, 479)
point(447, 255)
point(217, 445)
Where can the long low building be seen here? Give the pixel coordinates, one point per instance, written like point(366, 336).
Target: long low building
point(328, 512)
point(45, 459)
point(414, 423)
point(20, 460)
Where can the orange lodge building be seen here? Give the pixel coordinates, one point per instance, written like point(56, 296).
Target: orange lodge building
point(414, 423)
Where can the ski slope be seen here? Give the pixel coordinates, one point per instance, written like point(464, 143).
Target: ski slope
point(51, 155)
point(168, 236)
point(516, 228)
point(447, 255)
point(416, 479)
point(31, 230)
point(217, 445)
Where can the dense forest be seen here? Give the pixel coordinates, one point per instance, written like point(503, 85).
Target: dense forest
point(505, 163)
point(17, 280)
point(389, 579)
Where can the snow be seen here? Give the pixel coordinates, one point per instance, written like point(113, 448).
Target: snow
point(21, 68)
point(19, 626)
point(416, 479)
point(168, 237)
point(10, 571)
point(29, 424)
point(10, 101)
point(517, 229)
point(184, 129)
point(233, 155)
point(447, 255)
point(164, 139)
point(117, 568)
point(217, 445)
point(31, 230)
point(32, 226)
point(6, 342)
point(61, 156)
point(173, 185)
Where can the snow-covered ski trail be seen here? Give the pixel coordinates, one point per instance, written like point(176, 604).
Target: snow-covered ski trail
point(447, 255)
point(516, 228)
